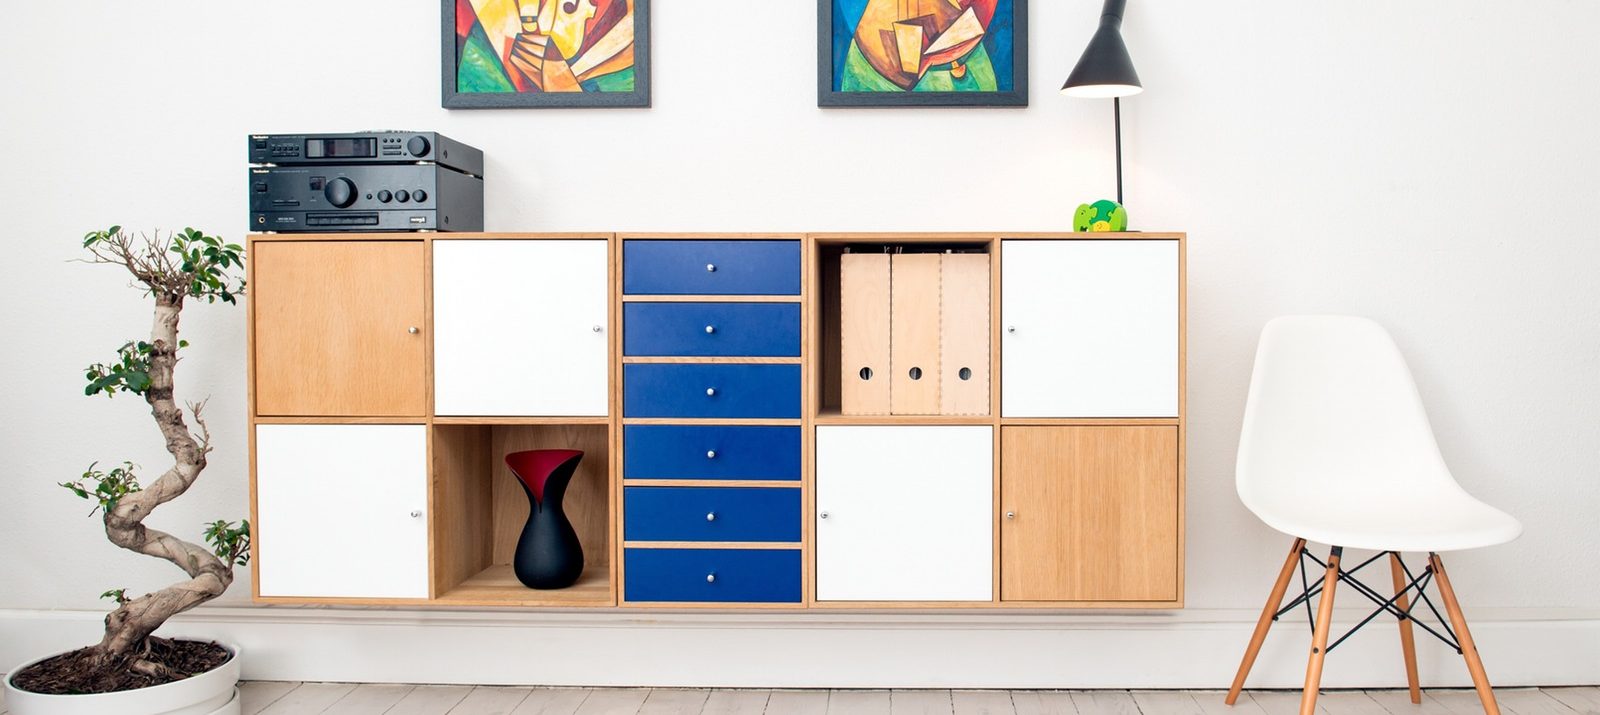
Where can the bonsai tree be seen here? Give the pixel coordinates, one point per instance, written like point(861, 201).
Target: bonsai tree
point(171, 270)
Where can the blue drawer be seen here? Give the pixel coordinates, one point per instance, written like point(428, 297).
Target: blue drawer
point(712, 575)
point(702, 329)
point(726, 391)
point(711, 514)
point(710, 452)
point(657, 267)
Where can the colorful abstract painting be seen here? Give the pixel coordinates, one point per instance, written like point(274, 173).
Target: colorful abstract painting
point(922, 53)
point(546, 53)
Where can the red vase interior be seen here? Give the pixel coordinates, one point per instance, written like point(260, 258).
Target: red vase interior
point(535, 466)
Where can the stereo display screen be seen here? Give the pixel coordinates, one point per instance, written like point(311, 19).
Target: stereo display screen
point(341, 148)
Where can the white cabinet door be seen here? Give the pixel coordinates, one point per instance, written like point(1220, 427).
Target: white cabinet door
point(340, 511)
point(520, 327)
point(1090, 328)
point(905, 513)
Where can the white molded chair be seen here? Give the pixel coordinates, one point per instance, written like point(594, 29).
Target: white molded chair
point(1336, 449)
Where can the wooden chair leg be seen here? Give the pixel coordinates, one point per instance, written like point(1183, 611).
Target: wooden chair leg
point(1408, 644)
point(1319, 638)
point(1469, 650)
point(1274, 601)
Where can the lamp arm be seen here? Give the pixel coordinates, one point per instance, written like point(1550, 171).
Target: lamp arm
point(1113, 9)
point(1116, 109)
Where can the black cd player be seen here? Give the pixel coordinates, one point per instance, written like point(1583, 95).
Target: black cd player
point(365, 148)
point(373, 181)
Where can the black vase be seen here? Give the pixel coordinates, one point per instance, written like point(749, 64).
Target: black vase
point(549, 554)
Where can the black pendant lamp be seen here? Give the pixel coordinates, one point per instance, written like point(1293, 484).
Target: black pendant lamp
point(1106, 70)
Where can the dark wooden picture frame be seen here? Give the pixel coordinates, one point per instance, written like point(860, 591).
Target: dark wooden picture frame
point(1017, 96)
point(451, 98)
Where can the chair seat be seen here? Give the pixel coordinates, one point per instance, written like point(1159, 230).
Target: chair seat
point(1422, 520)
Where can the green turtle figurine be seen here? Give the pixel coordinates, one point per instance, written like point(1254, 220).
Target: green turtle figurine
point(1102, 216)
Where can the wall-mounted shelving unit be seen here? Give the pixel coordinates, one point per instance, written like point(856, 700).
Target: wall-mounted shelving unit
point(1033, 460)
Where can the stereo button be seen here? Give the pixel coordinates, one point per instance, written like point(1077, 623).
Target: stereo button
point(419, 195)
point(402, 196)
point(340, 192)
point(418, 146)
point(384, 196)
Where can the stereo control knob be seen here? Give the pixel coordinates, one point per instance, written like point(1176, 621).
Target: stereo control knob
point(384, 196)
point(340, 192)
point(419, 196)
point(418, 146)
point(402, 196)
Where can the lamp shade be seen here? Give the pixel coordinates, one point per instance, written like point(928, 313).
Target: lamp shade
point(1105, 70)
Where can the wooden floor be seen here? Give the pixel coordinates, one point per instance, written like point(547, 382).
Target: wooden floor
point(279, 698)
point(275, 698)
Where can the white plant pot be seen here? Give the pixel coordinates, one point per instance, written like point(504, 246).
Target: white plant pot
point(210, 693)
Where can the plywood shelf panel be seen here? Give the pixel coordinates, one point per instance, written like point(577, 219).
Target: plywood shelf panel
point(831, 416)
point(490, 421)
point(498, 586)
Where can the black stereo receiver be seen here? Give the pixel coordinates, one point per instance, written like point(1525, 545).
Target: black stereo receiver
point(372, 181)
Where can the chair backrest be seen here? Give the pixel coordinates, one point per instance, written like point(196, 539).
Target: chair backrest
point(1333, 413)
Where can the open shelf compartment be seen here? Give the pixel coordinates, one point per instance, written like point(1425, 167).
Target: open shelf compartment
point(828, 250)
point(479, 510)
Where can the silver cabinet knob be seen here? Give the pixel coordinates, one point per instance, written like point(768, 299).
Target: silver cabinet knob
point(711, 516)
point(711, 329)
point(413, 330)
point(711, 268)
point(711, 454)
point(1011, 329)
point(1011, 515)
point(822, 515)
point(597, 328)
point(416, 513)
point(711, 578)
point(711, 392)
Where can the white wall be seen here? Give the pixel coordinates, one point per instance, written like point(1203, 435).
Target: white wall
point(1430, 164)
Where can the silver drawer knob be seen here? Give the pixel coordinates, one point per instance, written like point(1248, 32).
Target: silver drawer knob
point(711, 329)
point(1011, 329)
point(1011, 515)
point(711, 516)
point(711, 268)
point(711, 578)
point(823, 515)
point(596, 328)
point(711, 454)
point(416, 513)
point(711, 392)
point(413, 330)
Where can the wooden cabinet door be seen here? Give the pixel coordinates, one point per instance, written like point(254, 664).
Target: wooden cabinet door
point(521, 327)
point(341, 511)
point(1089, 513)
point(904, 513)
point(1090, 328)
point(334, 324)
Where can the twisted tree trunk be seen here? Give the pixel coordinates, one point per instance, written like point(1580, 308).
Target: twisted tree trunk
point(129, 627)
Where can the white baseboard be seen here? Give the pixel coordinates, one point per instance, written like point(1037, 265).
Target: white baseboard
point(1187, 649)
